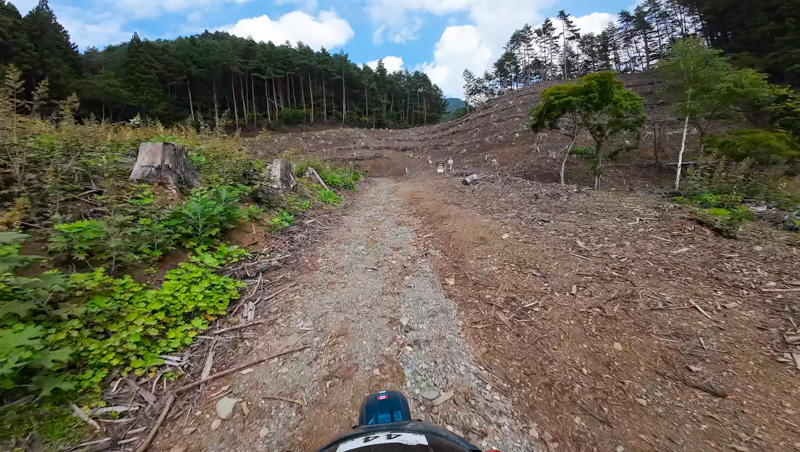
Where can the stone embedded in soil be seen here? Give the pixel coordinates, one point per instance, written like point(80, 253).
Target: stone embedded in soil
point(215, 425)
point(430, 395)
point(443, 398)
point(534, 433)
point(617, 346)
point(225, 407)
point(263, 433)
point(178, 449)
point(188, 431)
point(642, 402)
point(450, 281)
point(404, 321)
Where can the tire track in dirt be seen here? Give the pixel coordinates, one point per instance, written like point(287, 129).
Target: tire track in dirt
point(374, 313)
point(377, 299)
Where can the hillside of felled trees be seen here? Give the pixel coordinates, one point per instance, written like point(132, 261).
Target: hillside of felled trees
point(762, 35)
point(213, 77)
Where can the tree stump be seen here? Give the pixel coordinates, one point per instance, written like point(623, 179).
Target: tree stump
point(281, 177)
point(164, 163)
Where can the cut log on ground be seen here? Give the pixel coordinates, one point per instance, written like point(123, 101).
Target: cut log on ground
point(281, 178)
point(312, 173)
point(165, 163)
point(469, 180)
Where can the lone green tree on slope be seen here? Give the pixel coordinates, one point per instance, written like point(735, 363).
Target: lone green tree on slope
point(707, 88)
point(597, 103)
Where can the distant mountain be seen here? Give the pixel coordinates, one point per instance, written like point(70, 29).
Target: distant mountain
point(454, 104)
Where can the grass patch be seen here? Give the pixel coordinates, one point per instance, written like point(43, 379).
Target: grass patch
point(328, 196)
point(723, 213)
point(335, 176)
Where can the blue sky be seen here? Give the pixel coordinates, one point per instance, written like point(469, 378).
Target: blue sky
point(440, 37)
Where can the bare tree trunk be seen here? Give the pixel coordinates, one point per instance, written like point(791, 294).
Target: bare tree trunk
point(344, 99)
point(253, 95)
point(294, 92)
point(302, 95)
point(244, 102)
point(598, 170)
point(266, 98)
point(191, 105)
point(324, 101)
point(416, 110)
point(564, 33)
point(566, 157)
point(680, 154)
point(216, 107)
point(424, 109)
point(275, 99)
point(311, 94)
point(288, 91)
point(235, 109)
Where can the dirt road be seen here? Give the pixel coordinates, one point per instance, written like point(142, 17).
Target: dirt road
point(524, 316)
point(373, 311)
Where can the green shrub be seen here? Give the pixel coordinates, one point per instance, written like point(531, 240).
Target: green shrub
point(335, 176)
point(761, 146)
point(70, 332)
point(745, 180)
point(282, 221)
point(202, 219)
point(115, 241)
point(292, 116)
point(328, 196)
point(710, 200)
point(725, 221)
point(81, 240)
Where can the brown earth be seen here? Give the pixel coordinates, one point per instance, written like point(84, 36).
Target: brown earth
point(591, 320)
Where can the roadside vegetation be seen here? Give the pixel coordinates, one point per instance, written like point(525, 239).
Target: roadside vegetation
point(734, 172)
point(86, 294)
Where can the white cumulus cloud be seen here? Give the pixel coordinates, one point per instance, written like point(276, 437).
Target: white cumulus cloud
point(326, 30)
point(594, 23)
point(459, 48)
point(391, 63)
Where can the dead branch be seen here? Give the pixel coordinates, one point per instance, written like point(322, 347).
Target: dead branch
point(284, 399)
point(143, 447)
point(237, 327)
point(701, 386)
point(238, 368)
point(82, 414)
point(700, 309)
